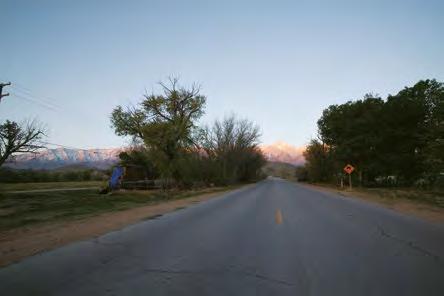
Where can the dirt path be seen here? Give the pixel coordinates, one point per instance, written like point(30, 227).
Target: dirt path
point(22, 242)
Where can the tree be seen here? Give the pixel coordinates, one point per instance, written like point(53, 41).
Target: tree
point(434, 149)
point(353, 132)
point(401, 138)
point(232, 145)
point(319, 163)
point(138, 158)
point(414, 128)
point(16, 138)
point(164, 123)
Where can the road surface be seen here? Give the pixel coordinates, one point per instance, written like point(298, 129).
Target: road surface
point(272, 238)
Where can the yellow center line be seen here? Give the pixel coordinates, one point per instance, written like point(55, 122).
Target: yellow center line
point(278, 217)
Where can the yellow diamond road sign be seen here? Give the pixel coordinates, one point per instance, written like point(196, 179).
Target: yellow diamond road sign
point(349, 169)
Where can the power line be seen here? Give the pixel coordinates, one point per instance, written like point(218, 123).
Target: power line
point(36, 98)
point(26, 91)
point(42, 104)
point(27, 96)
point(29, 93)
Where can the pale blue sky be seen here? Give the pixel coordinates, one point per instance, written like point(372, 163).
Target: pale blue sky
point(279, 63)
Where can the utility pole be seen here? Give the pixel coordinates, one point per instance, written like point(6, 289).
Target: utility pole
point(1, 90)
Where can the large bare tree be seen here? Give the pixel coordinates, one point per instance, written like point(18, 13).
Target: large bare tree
point(16, 138)
point(233, 145)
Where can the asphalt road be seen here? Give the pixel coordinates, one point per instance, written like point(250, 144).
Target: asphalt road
point(273, 238)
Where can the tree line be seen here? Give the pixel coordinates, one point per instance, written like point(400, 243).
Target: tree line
point(170, 145)
point(8, 175)
point(398, 141)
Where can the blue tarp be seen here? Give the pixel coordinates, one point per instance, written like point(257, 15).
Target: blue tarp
point(114, 182)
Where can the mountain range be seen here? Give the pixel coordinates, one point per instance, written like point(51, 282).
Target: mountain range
point(284, 152)
point(104, 158)
point(63, 157)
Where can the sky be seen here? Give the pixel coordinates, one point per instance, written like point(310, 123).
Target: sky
point(277, 63)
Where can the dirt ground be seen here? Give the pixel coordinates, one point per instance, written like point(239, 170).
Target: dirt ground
point(424, 211)
point(22, 242)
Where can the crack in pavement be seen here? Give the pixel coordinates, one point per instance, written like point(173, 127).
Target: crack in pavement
point(409, 244)
point(191, 272)
point(404, 242)
point(112, 244)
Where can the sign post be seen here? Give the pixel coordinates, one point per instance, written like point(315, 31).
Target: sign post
point(349, 169)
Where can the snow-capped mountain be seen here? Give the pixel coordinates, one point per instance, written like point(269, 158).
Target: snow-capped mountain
point(284, 152)
point(105, 158)
point(61, 157)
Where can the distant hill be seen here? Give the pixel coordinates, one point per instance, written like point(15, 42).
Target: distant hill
point(279, 169)
point(60, 158)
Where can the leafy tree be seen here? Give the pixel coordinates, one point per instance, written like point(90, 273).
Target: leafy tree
point(353, 132)
point(171, 146)
point(414, 131)
point(164, 123)
point(434, 137)
point(319, 162)
point(301, 173)
point(139, 159)
point(401, 138)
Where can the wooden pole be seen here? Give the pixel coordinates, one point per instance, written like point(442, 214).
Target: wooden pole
point(1, 90)
point(350, 181)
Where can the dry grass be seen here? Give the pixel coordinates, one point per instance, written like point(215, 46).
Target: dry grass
point(125, 208)
point(423, 204)
point(21, 209)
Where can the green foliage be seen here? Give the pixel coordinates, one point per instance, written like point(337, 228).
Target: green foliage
point(400, 139)
point(139, 164)
point(170, 146)
point(31, 176)
point(319, 162)
point(50, 206)
point(281, 169)
point(302, 174)
point(164, 124)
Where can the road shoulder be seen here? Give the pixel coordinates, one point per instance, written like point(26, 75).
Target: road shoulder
point(417, 209)
point(19, 243)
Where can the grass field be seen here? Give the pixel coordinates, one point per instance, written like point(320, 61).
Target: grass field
point(19, 209)
point(49, 185)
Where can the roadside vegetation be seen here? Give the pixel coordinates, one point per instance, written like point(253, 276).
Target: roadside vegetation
point(393, 143)
point(8, 175)
point(23, 209)
point(280, 169)
point(169, 145)
point(28, 186)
